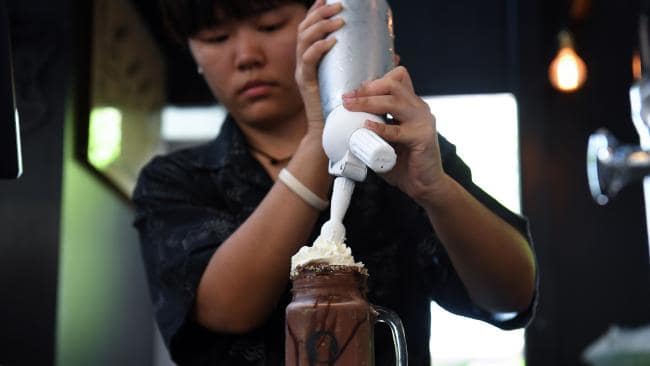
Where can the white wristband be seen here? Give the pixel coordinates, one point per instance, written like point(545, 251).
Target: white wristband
point(303, 192)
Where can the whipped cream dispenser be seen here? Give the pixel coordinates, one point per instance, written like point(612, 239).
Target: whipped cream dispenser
point(364, 51)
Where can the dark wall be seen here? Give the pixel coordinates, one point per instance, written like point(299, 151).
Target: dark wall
point(457, 47)
point(593, 260)
point(30, 207)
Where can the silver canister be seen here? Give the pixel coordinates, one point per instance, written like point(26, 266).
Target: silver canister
point(364, 50)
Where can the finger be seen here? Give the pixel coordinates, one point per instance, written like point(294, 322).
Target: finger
point(400, 74)
point(316, 4)
point(307, 69)
point(380, 105)
point(315, 52)
point(383, 86)
point(318, 13)
point(400, 110)
point(317, 32)
point(390, 133)
point(396, 82)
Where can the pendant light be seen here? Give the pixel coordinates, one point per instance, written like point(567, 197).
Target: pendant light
point(567, 72)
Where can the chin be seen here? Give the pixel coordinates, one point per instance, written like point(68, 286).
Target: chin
point(265, 114)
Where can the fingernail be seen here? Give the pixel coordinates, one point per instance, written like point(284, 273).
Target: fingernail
point(349, 94)
point(369, 123)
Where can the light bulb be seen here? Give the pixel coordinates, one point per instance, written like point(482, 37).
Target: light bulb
point(636, 66)
point(567, 72)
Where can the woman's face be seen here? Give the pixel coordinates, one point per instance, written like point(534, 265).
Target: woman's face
point(249, 64)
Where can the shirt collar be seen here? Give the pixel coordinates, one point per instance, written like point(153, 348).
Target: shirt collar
point(227, 148)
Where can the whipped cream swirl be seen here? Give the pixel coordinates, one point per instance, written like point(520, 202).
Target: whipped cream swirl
point(324, 251)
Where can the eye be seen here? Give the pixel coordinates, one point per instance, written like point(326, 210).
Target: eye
point(213, 35)
point(272, 27)
point(218, 38)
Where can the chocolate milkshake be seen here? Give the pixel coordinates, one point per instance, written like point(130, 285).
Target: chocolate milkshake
point(329, 321)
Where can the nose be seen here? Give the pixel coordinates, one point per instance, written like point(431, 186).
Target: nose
point(249, 53)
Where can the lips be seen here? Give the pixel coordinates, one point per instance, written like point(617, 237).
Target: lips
point(255, 88)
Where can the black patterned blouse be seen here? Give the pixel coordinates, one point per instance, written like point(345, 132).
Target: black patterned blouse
point(189, 202)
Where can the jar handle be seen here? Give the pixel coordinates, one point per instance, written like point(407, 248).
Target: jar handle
point(397, 330)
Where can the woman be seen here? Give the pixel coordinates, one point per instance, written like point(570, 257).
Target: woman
point(218, 230)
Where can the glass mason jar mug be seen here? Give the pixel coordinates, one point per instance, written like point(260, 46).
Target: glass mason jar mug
point(330, 322)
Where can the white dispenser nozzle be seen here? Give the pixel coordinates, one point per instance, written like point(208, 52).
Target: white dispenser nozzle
point(351, 147)
point(372, 150)
point(333, 230)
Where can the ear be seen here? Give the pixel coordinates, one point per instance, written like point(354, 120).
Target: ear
point(191, 45)
point(194, 48)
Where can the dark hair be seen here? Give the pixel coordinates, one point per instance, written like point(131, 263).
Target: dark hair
point(185, 18)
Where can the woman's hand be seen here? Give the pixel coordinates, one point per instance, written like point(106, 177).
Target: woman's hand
point(312, 45)
point(469, 231)
point(418, 171)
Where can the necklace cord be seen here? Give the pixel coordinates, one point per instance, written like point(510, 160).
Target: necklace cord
point(272, 159)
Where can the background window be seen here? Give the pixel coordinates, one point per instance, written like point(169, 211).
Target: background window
point(484, 129)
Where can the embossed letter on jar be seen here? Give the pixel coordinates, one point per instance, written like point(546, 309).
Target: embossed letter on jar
point(330, 322)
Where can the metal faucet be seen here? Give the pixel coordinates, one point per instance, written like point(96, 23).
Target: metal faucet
point(610, 166)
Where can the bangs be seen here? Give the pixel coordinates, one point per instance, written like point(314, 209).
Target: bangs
point(185, 18)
